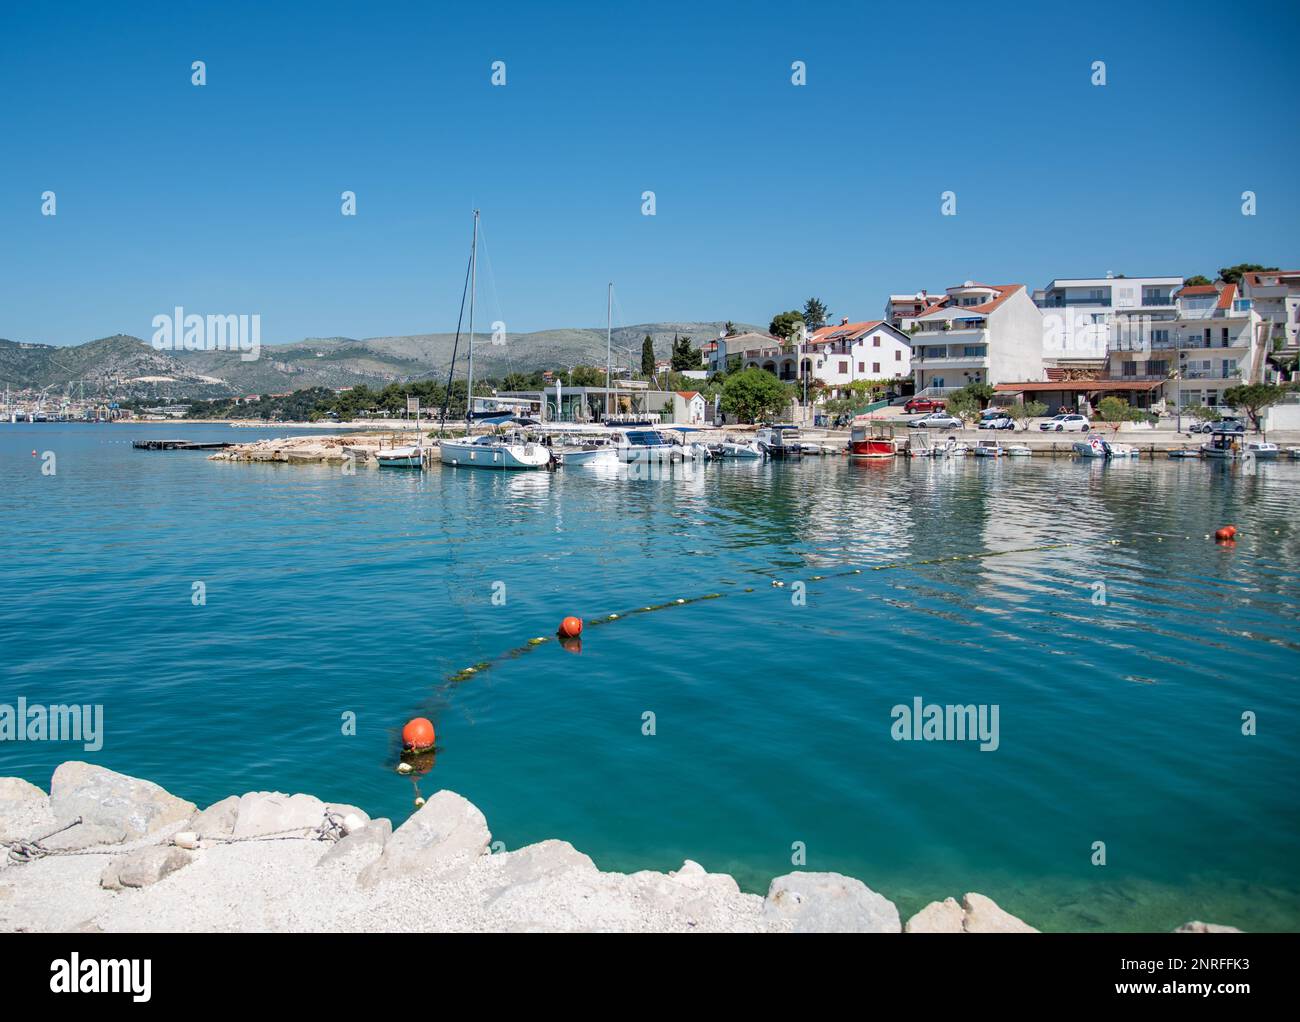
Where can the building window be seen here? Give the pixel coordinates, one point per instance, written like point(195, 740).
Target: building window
point(875, 367)
point(875, 341)
point(1157, 367)
point(1224, 337)
point(862, 367)
point(898, 356)
point(1130, 369)
point(844, 367)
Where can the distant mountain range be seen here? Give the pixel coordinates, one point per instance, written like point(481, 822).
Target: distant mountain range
point(124, 366)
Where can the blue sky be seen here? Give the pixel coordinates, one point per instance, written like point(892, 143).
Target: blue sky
point(226, 198)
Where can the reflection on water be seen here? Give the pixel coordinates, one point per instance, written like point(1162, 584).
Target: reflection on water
point(327, 594)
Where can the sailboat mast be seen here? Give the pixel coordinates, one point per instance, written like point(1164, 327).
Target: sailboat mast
point(609, 349)
point(473, 281)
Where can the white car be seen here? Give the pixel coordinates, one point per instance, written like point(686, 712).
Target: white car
point(1066, 424)
point(937, 420)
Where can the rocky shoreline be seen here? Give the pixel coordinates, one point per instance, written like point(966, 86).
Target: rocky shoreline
point(104, 852)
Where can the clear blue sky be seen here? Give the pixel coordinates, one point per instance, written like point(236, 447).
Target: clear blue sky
point(225, 198)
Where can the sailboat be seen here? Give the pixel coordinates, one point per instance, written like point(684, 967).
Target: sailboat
point(500, 451)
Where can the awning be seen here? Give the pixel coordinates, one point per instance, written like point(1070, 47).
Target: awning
point(1083, 386)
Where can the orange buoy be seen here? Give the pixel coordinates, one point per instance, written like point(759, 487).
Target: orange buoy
point(418, 734)
point(571, 627)
point(1226, 532)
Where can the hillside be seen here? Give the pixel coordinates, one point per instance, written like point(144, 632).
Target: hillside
point(123, 366)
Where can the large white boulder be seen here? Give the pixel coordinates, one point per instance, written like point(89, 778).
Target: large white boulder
point(261, 813)
point(446, 832)
point(144, 866)
point(120, 807)
point(829, 903)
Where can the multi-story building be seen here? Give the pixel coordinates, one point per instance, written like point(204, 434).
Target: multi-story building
point(975, 333)
point(1276, 294)
point(836, 355)
point(1209, 340)
point(1082, 314)
point(901, 307)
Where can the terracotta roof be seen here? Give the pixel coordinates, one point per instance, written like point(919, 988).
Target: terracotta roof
point(825, 333)
point(1226, 296)
point(688, 394)
point(1199, 289)
point(1005, 291)
point(1252, 278)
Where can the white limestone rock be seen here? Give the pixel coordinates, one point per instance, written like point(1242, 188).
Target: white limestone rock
point(144, 867)
point(829, 903)
point(24, 810)
point(446, 832)
point(1198, 927)
point(938, 917)
point(218, 820)
point(984, 916)
point(260, 813)
point(360, 847)
point(126, 806)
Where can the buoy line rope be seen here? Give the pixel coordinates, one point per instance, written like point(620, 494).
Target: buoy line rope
point(330, 829)
point(466, 673)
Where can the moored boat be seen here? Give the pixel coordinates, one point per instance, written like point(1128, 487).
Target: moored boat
point(871, 442)
point(1260, 449)
point(987, 449)
point(400, 457)
point(780, 442)
point(1093, 447)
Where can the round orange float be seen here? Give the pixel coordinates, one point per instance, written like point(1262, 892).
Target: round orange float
point(418, 734)
point(571, 627)
point(1225, 533)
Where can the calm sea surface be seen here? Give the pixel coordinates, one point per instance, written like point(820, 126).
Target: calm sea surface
point(330, 594)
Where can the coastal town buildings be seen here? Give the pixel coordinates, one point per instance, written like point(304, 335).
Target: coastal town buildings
point(975, 333)
point(1081, 315)
point(1276, 296)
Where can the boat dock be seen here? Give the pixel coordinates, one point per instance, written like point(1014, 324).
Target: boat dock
point(178, 445)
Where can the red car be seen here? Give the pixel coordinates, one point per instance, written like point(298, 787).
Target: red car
point(923, 404)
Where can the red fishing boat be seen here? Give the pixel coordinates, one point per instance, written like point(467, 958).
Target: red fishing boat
point(871, 441)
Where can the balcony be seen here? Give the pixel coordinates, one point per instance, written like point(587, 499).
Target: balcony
point(1069, 303)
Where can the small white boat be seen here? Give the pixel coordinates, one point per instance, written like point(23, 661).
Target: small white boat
point(1123, 451)
point(988, 449)
point(1293, 453)
point(586, 457)
point(738, 449)
point(1093, 447)
point(1260, 449)
point(1017, 450)
point(400, 457)
point(1222, 445)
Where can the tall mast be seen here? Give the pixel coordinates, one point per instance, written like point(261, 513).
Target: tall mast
point(469, 377)
point(609, 348)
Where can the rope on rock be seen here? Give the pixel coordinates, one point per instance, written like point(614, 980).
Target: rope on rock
point(330, 829)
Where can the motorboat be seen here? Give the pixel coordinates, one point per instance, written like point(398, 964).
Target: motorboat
point(1259, 449)
point(780, 442)
point(1225, 445)
point(732, 448)
point(1093, 447)
point(400, 457)
point(987, 449)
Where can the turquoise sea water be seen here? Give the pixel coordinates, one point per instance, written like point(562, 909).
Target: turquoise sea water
point(329, 594)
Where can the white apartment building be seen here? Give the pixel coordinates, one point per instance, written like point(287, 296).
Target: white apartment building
point(1209, 340)
point(1276, 294)
point(1081, 315)
point(975, 333)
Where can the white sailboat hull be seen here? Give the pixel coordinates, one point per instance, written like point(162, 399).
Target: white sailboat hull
point(498, 455)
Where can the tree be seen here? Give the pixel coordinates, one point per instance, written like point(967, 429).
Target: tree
point(1204, 413)
point(648, 356)
point(815, 313)
point(1253, 398)
point(754, 394)
point(685, 357)
point(1115, 411)
point(1197, 281)
point(729, 328)
point(1232, 274)
point(981, 392)
point(964, 405)
point(1023, 411)
point(785, 324)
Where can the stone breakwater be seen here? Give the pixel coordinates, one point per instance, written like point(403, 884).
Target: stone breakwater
point(103, 852)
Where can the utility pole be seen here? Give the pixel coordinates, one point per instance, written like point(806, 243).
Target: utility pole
point(609, 349)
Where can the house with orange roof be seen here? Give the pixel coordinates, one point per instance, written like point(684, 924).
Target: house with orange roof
point(975, 333)
point(688, 407)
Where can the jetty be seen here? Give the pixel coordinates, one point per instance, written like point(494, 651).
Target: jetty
point(179, 445)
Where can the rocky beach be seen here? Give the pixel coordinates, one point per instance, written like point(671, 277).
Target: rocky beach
point(104, 852)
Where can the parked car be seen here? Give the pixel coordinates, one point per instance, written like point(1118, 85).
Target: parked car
point(1230, 424)
point(937, 420)
point(1066, 424)
point(997, 418)
point(923, 404)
